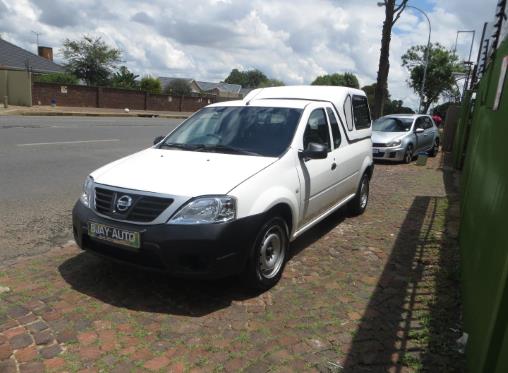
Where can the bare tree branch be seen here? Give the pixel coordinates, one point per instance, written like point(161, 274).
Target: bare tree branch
point(398, 10)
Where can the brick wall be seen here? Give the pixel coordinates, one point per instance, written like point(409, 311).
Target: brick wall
point(76, 95)
point(82, 96)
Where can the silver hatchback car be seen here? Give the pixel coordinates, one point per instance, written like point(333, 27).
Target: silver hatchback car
point(399, 137)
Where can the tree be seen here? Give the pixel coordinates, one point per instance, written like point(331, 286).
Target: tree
point(345, 80)
point(439, 79)
point(390, 106)
point(178, 87)
point(59, 78)
point(272, 83)
point(124, 78)
point(249, 78)
point(392, 14)
point(90, 59)
point(150, 84)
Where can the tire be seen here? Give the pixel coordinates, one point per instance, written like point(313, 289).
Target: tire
point(408, 154)
point(269, 255)
point(359, 203)
point(435, 148)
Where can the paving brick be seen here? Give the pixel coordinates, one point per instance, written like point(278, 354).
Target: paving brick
point(5, 351)
point(43, 338)
point(26, 354)
point(33, 367)
point(8, 366)
point(157, 363)
point(54, 363)
point(49, 352)
point(17, 311)
point(20, 341)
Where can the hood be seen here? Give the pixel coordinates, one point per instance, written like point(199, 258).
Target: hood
point(183, 173)
point(385, 137)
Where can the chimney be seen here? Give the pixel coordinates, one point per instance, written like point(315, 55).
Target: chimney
point(45, 52)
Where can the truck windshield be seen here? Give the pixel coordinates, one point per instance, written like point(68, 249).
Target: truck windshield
point(249, 130)
point(392, 124)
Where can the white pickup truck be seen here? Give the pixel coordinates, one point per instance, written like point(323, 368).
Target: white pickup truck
point(229, 189)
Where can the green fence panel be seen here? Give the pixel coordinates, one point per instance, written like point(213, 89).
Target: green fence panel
point(462, 130)
point(484, 226)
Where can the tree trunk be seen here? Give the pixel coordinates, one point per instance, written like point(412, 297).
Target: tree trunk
point(384, 61)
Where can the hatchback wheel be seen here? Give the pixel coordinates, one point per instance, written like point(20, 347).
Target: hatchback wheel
point(408, 155)
point(267, 261)
point(433, 152)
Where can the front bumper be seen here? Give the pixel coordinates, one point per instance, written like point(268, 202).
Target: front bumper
point(388, 154)
point(201, 251)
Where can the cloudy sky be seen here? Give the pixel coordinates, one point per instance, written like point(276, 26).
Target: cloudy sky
point(291, 40)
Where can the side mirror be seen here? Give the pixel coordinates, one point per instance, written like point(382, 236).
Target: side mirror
point(419, 130)
point(314, 151)
point(158, 139)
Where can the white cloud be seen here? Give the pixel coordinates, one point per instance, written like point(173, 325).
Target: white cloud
point(291, 40)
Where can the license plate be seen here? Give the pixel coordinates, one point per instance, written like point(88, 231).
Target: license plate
point(113, 234)
point(375, 151)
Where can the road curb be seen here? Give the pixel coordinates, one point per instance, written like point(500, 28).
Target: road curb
point(79, 114)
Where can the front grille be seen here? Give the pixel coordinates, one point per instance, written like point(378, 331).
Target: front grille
point(379, 155)
point(142, 209)
point(378, 145)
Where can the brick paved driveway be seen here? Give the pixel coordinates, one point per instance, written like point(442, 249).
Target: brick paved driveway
point(367, 294)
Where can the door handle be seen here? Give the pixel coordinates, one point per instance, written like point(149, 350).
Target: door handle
point(334, 166)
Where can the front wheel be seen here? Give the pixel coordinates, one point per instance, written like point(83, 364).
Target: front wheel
point(359, 203)
point(408, 154)
point(269, 255)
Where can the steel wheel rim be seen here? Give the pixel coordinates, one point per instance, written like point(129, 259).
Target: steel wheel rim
point(409, 155)
point(364, 193)
point(271, 253)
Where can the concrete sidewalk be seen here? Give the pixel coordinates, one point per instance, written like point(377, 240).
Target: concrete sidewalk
point(89, 112)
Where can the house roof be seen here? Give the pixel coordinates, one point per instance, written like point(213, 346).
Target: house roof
point(12, 56)
point(224, 87)
point(203, 86)
point(165, 81)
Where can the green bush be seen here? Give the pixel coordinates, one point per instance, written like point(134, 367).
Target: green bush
point(150, 84)
point(59, 78)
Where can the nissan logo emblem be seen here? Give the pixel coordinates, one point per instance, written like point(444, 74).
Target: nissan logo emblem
point(123, 203)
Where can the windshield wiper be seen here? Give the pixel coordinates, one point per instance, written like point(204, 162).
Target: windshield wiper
point(224, 149)
point(175, 145)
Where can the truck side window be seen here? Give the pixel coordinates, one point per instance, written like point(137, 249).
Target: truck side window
point(335, 127)
point(361, 112)
point(317, 129)
point(348, 113)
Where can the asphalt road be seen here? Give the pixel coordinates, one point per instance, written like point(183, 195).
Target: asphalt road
point(43, 163)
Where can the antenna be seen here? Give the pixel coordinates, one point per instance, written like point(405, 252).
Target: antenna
point(37, 36)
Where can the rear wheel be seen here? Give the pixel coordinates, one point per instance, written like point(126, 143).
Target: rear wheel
point(268, 258)
point(358, 204)
point(435, 148)
point(408, 154)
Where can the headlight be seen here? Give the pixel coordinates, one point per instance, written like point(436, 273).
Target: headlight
point(86, 197)
point(394, 143)
point(205, 210)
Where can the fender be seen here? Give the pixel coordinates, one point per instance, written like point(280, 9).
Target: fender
point(265, 202)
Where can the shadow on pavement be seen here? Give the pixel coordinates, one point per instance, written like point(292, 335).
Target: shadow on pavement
point(136, 289)
point(413, 316)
